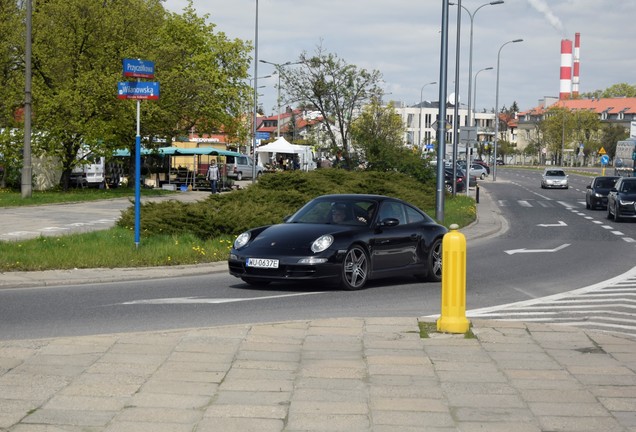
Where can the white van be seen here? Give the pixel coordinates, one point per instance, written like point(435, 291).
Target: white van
point(241, 167)
point(90, 172)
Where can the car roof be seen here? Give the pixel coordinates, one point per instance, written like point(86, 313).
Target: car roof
point(356, 197)
point(547, 170)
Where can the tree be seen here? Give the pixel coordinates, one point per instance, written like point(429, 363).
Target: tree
point(616, 90)
point(78, 48)
point(610, 135)
point(337, 89)
point(11, 92)
point(378, 136)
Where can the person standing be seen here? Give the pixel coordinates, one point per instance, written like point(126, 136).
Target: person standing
point(213, 176)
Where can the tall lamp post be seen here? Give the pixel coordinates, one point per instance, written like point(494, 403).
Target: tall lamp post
point(421, 102)
point(255, 95)
point(494, 168)
point(278, 67)
point(475, 91)
point(470, 52)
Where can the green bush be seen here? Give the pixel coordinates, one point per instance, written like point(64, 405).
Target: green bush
point(267, 202)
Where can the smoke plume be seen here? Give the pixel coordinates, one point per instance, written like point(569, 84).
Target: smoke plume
point(542, 7)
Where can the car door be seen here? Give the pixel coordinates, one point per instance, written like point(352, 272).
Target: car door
point(393, 247)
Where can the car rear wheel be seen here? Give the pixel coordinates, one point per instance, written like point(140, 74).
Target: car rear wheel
point(239, 176)
point(609, 211)
point(355, 269)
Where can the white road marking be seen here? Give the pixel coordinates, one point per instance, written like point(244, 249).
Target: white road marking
point(202, 300)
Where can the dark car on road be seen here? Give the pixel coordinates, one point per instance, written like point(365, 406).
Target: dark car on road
point(345, 239)
point(597, 191)
point(621, 200)
point(448, 180)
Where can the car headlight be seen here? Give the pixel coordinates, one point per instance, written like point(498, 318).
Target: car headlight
point(598, 195)
point(321, 243)
point(242, 240)
point(625, 202)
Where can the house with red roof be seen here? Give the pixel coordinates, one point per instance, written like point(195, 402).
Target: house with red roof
point(618, 111)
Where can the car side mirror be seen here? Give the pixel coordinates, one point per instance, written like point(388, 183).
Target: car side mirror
point(390, 222)
point(613, 189)
point(589, 186)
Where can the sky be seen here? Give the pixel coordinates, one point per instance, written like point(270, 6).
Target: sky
point(402, 40)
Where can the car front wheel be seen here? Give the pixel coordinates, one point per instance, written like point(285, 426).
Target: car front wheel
point(239, 176)
point(355, 269)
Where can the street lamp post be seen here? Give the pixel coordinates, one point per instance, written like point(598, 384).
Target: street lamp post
point(475, 91)
point(470, 52)
point(255, 94)
point(278, 67)
point(421, 102)
point(494, 168)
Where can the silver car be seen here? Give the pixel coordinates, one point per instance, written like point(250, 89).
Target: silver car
point(554, 178)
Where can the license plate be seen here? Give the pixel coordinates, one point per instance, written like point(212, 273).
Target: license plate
point(262, 263)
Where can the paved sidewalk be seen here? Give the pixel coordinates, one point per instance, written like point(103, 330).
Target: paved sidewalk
point(347, 374)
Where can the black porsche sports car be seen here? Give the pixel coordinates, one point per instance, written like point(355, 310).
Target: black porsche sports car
point(344, 239)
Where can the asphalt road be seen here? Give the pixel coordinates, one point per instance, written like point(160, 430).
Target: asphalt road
point(553, 245)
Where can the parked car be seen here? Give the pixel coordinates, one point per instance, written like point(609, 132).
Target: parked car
point(621, 200)
point(448, 180)
point(597, 191)
point(346, 239)
point(554, 178)
point(478, 171)
point(484, 164)
point(242, 167)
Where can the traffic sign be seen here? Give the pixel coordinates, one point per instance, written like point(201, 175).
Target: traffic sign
point(602, 151)
point(138, 90)
point(262, 135)
point(604, 160)
point(136, 68)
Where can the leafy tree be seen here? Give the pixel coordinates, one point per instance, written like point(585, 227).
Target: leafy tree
point(616, 90)
point(337, 89)
point(610, 135)
point(377, 135)
point(11, 92)
point(78, 47)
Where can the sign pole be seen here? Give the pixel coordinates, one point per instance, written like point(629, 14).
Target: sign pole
point(137, 68)
point(138, 176)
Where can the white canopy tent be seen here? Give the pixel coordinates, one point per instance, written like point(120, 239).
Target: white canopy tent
point(282, 146)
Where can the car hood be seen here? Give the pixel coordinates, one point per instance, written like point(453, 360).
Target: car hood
point(627, 196)
point(293, 236)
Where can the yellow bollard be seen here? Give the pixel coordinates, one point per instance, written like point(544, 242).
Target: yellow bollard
point(453, 317)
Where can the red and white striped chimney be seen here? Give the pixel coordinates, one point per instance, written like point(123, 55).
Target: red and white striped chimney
point(565, 86)
point(575, 72)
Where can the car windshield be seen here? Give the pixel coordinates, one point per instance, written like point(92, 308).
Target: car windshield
point(340, 211)
point(628, 186)
point(555, 173)
point(605, 183)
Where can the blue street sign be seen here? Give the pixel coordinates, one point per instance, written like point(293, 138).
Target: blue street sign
point(429, 146)
point(262, 135)
point(136, 68)
point(138, 90)
point(604, 160)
